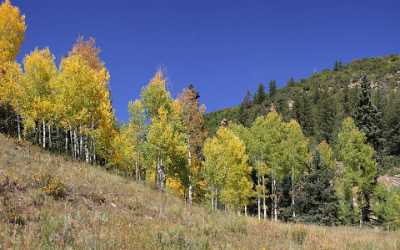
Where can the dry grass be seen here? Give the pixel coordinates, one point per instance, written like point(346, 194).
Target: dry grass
point(47, 202)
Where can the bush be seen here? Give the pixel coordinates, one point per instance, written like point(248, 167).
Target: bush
point(54, 187)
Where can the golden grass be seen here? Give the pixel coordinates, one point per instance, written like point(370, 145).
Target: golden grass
point(101, 210)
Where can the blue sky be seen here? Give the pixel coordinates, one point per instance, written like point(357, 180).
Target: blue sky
point(222, 47)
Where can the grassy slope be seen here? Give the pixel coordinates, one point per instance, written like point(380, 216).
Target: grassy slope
point(105, 211)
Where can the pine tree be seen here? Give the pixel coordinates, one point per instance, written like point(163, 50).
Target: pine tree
point(243, 113)
point(316, 197)
point(291, 82)
point(303, 112)
point(338, 65)
point(260, 95)
point(327, 117)
point(368, 118)
point(272, 88)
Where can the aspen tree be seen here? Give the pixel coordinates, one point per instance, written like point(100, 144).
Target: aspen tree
point(39, 71)
point(356, 179)
point(226, 170)
point(196, 133)
point(296, 157)
point(12, 31)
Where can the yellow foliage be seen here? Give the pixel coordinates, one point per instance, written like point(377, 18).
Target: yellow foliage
point(12, 31)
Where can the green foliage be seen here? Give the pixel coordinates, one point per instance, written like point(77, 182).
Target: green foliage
point(260, 95)
point(226, 169)
point(315, 192)
point(357, 175)
point(367, 117)
point(386, 206)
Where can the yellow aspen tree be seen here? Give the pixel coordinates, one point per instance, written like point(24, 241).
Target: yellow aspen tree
point(12, 31)
point(39, 71)
point(226, 170)
point(11, 92)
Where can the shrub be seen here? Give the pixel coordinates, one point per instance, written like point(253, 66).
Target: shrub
point(55, 188)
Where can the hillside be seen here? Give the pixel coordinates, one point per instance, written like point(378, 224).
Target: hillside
point(48, 202)
point(321, 101)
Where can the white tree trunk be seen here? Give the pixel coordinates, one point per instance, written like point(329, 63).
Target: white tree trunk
point(264, 199)
point(75, 144)
point(258, 199)
point(275, 200)
point(87, 150)
point(44, 134)
point(190, 189)
point(293, 203)
point(50, 142)
point(66, 142)
point(19, 127)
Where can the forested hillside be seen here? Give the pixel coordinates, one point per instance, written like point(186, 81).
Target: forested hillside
point(321, 102)
point(324, 150)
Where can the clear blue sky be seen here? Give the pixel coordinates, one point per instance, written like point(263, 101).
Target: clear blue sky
point(222, 47)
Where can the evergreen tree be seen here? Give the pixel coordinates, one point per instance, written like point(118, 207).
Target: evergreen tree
point(272, 88)
point(291, 82)
point(327, 117)
point(338, 65)
point(303, 112)
point(260, 95)
point(316, 197)
point(368, 118)
point(243, 113)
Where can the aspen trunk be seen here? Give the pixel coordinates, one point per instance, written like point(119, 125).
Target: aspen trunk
point(75, 144)
point(190, 193)
point(258, 200)
point(275, 201)
point(216, 199)
point(293, 203)
point(71, 141)
point(86, 150)
point(190, 189)
point(19, 127)
point(50, 142)
point(94, 151)
point(264, 199)
point(245, 210)
point(212, 200)
point(66, 142)
point(137, 170)
point(44, 134)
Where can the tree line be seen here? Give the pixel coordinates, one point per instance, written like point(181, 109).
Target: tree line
point(269, 167)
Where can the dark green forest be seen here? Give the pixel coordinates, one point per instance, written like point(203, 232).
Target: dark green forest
point(321, 102)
